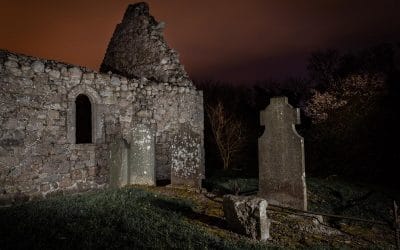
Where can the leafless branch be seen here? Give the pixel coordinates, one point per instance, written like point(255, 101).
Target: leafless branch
point(228, 131)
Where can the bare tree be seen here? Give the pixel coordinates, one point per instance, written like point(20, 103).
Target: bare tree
point(229, 133)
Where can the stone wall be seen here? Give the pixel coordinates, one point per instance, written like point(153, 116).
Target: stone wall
point(138, 49)
point(38, 154)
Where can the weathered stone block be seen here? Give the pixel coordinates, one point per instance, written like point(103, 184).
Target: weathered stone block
point(132, 161)
point(76, 175)
point(247, 215)
point(142, 156)
point(75, 72)
point(45, 187)
point(11, 64)
point(281, 156)
point(118, 163)
point(54, 74)
point(37, 67)
point(186, 166)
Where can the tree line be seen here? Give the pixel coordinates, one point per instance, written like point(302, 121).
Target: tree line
point(350, 120)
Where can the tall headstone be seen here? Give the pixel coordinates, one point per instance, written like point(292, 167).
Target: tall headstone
point(141, 156)
point(118, 163)
point(281, 156)
point(186, 165)
point(133, 161)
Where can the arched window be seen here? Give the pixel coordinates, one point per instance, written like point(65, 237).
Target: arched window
point(83, 119)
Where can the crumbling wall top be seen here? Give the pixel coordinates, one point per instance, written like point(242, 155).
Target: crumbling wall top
point(135, 10)
point(138, 49)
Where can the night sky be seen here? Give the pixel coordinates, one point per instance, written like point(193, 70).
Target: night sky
point(226, 40)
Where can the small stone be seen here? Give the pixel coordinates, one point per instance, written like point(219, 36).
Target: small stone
point(144, 114)
point(53, 114)
point(73, 157)
point(11, 124)
point(124, 80)
point(106, 93)
point(11, 64)
point(159, 26)
point(44, 187)
point(89, 76)
point(3, 151)
point(37, 67)
point(115, 81)
point(25, 68)
point(16, 71)
point(157, 117)
point(76, 175)
point(92, 171)
point(164, 61)
point(54, 74)
point(75, 72)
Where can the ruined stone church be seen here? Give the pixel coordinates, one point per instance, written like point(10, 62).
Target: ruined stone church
point(68, 128)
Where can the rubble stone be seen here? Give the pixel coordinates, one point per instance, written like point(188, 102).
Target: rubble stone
point(247, 215)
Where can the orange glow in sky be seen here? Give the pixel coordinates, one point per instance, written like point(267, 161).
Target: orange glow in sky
point(223, 40)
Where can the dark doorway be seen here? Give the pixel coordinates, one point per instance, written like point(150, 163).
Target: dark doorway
point(83, 119)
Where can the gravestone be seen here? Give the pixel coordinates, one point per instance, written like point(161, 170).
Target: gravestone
point(141, 156)
point(119, 163)
point(281, 156)
point(133, 162)
point(247, 215)
point(186, 166)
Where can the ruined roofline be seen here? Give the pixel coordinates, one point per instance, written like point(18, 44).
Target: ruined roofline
point(137, 9)
point(7, 54)
point(138, 49)
point(50, 64)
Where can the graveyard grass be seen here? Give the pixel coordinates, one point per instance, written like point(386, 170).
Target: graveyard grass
point(161, 217)
point(111, 219)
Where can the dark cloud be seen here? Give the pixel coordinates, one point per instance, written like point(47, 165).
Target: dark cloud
point(225, 39)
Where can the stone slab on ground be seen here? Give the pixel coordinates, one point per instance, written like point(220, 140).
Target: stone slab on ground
point(247, 215)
